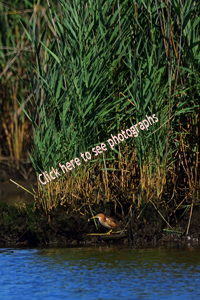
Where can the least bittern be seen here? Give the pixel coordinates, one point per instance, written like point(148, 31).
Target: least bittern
point(107, 222)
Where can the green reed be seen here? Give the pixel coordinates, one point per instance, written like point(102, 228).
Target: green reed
point(99, 50)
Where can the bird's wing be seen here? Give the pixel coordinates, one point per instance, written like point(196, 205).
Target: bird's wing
point(111, 222)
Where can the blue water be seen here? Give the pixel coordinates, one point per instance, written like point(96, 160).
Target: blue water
point(100, 273)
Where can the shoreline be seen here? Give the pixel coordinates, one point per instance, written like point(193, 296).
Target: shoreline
point(23, 226)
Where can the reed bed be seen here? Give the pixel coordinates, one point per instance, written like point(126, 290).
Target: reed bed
point(99, 68)
point(15, 128)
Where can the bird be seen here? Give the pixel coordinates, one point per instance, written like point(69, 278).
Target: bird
point(107, 222)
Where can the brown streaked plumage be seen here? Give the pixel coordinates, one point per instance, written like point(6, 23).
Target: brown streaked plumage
point(107, 222)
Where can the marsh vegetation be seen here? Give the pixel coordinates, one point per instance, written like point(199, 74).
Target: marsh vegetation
point(75, 72)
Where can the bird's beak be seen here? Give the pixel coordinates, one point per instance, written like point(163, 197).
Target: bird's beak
point(93, 217)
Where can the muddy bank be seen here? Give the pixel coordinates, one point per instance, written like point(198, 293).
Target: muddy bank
point(13, 194)
point(24, 175)
point(17, 170)
point(29, 226)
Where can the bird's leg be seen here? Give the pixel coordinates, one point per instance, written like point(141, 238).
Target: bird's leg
point(109, 232)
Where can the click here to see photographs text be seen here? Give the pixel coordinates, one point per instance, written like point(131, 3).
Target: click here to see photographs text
point(44, 177)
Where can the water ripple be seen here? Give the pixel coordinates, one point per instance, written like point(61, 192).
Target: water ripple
point(99, 273)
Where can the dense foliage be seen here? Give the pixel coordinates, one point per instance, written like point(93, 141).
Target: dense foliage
point(105, 66)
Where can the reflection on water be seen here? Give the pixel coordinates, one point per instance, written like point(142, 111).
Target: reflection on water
point(100, 273)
